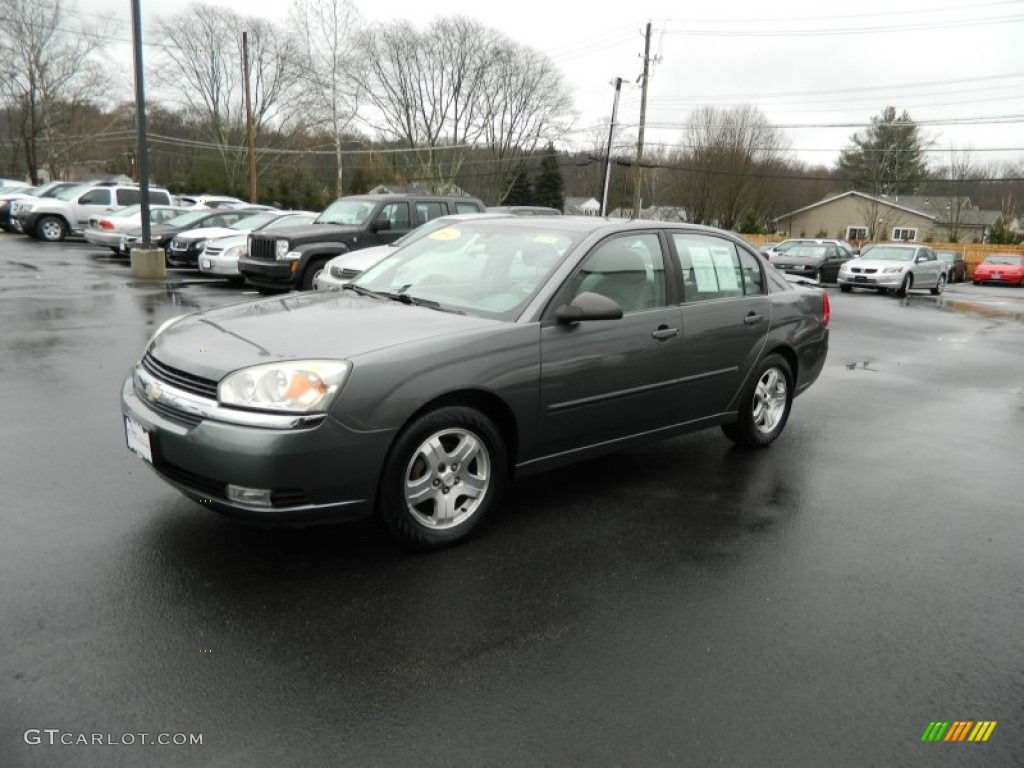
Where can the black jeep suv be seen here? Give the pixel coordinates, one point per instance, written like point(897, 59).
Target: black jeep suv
point(285, 259)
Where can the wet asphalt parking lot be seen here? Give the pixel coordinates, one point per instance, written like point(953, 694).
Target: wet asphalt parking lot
point(688, 603)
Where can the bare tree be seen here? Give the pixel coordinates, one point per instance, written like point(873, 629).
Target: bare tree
point(723, 148)
point(957, 209)
point(329, 95)
point(205, 56)
point(50, 74)
point(453, 85)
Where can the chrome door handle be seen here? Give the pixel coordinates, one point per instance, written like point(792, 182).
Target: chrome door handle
point(753, 318)
point(664, 332)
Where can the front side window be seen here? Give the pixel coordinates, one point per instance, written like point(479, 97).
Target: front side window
point(710, 267)
point(628, 270)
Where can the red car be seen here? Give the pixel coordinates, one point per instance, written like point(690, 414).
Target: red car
point(1005, 268)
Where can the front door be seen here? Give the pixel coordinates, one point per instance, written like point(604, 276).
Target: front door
point(606, 379)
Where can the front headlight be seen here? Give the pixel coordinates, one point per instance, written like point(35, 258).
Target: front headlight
point(236, 252)
point(280, 248)
point(891, 270)
point(294, 386)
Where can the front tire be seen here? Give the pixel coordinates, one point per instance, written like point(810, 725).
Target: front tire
point(845, 288)
point(443, 475)
point(905, 286)
point(939, 286)
point(764, 406)
point(51, 229)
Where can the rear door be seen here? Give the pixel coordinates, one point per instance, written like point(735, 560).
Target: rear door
point(726, 314)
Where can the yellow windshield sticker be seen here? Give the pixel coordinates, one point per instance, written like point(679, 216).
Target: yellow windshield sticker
point(549, 239)
point(448, 233)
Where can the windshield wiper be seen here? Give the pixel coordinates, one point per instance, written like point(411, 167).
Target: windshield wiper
point(401, 298)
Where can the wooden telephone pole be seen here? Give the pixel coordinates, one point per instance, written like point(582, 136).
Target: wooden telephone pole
point(638, 176)
point(250, 134)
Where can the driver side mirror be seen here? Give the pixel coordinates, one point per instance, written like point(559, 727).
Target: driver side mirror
point(588, 306)
point(381, 225)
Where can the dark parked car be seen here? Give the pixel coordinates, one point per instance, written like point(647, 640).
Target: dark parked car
point(956, 267)
point(278, 262)
point(525, 210)
point(484, 351)
point(820, 263)
point(162, 234)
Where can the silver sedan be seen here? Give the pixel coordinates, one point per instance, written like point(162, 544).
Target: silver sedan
point(895, 267)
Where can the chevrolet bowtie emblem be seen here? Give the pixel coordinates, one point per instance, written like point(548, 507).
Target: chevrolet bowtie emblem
point(153, 390)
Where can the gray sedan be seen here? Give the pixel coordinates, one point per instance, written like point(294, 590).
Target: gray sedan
point(490, 349)
point(895, 267)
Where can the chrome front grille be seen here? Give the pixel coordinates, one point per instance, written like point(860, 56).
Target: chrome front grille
point(261, 248)
point(187, 382)
point(345, 274)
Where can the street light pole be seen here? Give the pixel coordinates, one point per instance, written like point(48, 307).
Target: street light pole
point(140, 122)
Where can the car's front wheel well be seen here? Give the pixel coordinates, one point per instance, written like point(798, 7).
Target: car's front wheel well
point(488, 404)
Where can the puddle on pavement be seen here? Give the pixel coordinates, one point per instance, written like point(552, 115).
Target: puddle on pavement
point(1001, 309)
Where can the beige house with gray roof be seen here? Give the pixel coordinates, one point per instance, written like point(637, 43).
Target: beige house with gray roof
point(856, 216)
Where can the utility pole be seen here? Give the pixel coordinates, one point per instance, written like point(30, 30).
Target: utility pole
point(250, 138)
point(638, 177)
point(608, 152)
point(140, 123)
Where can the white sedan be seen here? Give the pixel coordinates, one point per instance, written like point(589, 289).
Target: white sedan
point(220, 255)
point(108, 229)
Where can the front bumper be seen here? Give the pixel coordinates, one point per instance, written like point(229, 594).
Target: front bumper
point(875, 280)
point(323, 473)
point(269, 274)
point(324, 281)
point(221, 266)
point(183, 257)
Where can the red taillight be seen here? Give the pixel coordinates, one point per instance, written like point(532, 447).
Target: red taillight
point(104, 224)
point(826, 309)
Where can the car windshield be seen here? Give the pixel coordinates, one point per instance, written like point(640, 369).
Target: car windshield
point(888, 253)
point(1008, 259)
point(348, 212)
point(185, 219)
point(258, 221)
point(477, 267)
point(807, 251)
point(69, 192)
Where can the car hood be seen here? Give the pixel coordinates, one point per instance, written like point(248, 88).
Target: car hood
point(310, 232)
point(205, 233)
point(341, 325)
point(362, 259)
point(229, 241)
point(782, 258)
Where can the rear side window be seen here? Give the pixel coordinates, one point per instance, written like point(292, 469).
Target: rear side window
point(711, 268)
point(466, 208)
point(157, 197)
point(128, 196)
point(427, 211)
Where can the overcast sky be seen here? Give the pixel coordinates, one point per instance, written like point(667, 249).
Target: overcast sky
point(816, 70)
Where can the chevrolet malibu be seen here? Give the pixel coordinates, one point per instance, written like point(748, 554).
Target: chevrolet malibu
point(486, 351)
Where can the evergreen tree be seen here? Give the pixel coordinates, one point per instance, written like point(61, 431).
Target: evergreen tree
point(521, 192)
point(887, 158)
point(549, 187)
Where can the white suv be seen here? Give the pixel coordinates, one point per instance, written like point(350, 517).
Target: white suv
point(67, 213)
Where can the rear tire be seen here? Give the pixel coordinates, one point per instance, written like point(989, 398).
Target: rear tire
point(444, 473)
point(764, 406)
point(937, 290)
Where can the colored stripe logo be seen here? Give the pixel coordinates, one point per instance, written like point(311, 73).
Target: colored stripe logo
point(958, 730)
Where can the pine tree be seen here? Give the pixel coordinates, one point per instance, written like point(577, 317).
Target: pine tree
point(887, 158)
point(521, 192)
point(549, 187)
